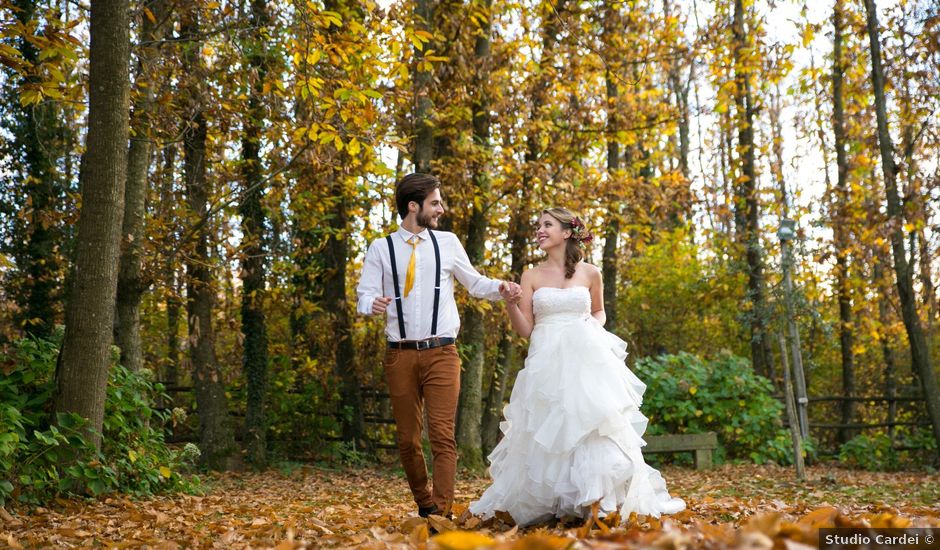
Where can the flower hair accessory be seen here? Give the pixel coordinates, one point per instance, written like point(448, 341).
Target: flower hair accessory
point(579, 232)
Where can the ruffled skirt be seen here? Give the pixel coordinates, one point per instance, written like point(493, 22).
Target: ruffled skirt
point(572, 432)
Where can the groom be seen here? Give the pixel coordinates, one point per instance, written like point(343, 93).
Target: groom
point(414, 268)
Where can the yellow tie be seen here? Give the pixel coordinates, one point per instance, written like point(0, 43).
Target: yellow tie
point(410, 275)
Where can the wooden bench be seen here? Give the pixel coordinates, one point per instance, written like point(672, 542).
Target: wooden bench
point(701, 444)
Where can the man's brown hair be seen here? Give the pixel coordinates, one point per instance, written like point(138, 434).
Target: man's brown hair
point(414, 187)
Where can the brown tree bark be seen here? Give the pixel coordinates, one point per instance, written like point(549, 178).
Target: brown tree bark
point(131, 287)
point(508, 352)
point(887, 351)
point(216, 440)
point(336, 258)
point(254, 327)
point(746, 199)
point(839, 222)
point(170, 279)
point(36, 140)
point(680, 92)
point(470, 414)
point(610, 255)
point(519, 224)
point(336, 255)
point(423, 152)
point(82, 371)
point(920, 357)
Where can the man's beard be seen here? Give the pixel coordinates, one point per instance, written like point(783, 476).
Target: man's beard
point(425, 220)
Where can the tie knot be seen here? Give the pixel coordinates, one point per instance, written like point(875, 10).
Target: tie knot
point(413, 241)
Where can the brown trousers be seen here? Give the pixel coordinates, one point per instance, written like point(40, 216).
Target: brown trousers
point(419, 380)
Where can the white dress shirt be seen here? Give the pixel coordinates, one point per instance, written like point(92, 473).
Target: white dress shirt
point(418, 306)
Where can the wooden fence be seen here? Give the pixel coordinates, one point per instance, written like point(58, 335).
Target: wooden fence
point(376, 410)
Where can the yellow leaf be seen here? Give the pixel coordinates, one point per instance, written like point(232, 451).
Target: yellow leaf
point(165, 472)
point(693, 390)
point(132, 455)
point(462, 540)
point(353, 147)
point(29, 97)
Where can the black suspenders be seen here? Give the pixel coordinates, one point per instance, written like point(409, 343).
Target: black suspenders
point(437, 285)
point(437, 282)
point(401, 313)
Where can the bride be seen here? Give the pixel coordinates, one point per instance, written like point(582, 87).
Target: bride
point(572, 434)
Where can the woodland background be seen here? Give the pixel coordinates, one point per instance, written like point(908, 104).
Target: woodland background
point(195, 183)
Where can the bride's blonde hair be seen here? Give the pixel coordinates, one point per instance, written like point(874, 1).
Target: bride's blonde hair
point(573, 252)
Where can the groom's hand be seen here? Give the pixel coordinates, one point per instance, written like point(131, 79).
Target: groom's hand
point(510, 291)
point(380, 304)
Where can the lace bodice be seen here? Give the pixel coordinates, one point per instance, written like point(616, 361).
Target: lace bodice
point(551, 303)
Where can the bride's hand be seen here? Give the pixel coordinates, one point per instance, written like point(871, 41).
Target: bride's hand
point(511, 292)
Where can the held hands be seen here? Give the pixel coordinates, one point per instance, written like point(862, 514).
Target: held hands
point(380, 304)
point(510, 291)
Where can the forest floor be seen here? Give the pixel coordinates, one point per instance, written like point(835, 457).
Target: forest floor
point(302, 506)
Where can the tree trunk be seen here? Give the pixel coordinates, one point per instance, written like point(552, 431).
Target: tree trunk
point(887, 352)
point(920, 356)
point(82, 370)
point(609, 259)
point(173, 302)
point(336, 258)
point(519, 222)
point(334, 281)
point(681, 93)
point(470, 414)
point(216, 440)
point(39, 138)
point(424, 130)
point(131, 288)
point(839, 222)
point(747, 199)
point(508, 353)
point(254, 330)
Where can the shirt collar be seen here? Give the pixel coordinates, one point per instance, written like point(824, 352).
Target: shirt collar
point(406, 235)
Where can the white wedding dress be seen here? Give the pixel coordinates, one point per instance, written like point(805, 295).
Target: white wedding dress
point(573, 428)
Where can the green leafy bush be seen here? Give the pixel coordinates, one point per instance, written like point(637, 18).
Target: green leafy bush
point(911, 448)
point(40, 459)
point(686, 394)
point(869, 452)
point(299, 417)
point(780, 449)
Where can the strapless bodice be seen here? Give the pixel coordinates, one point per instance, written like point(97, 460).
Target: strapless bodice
point(552, 303)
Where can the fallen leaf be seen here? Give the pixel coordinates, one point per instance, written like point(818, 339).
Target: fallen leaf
point(441, 524)
point(462, 540)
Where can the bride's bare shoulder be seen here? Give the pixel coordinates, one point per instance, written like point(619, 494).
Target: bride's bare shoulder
point(589, 268)
point(532, 274)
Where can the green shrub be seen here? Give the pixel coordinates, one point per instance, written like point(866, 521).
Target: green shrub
point(299, 417)
point(686, 394)
point(913, 447)
point(869, 452)
point(40, 459)
point(780, 449)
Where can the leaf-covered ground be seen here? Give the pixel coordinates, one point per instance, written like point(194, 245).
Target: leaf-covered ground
point(309, 507)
